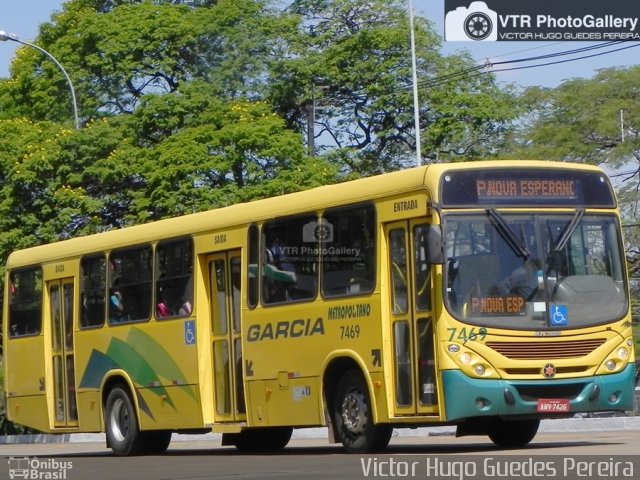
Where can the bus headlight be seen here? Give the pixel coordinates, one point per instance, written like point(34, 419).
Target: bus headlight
point(470, 362)
point(617, 359)
point(465, 358)
point(479, 369)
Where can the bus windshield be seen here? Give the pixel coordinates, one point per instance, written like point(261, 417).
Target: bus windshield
point(534, 271)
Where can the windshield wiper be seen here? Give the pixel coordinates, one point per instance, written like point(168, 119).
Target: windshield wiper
point(568, 231)
point(512, 240)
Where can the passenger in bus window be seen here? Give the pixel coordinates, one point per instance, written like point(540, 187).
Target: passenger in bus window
point(116, 307)
point(163, 309)
point(186, 308)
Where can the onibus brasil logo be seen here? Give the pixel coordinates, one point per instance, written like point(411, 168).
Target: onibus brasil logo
point(38, 468)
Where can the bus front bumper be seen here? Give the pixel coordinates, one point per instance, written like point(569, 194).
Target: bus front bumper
point(467, 397)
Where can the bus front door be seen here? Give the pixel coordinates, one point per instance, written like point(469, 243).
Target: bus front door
point(224, 286)
point(412, 337)
point(61, 301)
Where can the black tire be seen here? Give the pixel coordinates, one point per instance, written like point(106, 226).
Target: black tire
point(352, 416)
point(261, 439)
point(121, 424)
point(156, 442)
point(514, 433)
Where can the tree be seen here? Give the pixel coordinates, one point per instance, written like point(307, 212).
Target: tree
point(350, 68)
point(346, 61)
point(118, 51)
point(221, 153)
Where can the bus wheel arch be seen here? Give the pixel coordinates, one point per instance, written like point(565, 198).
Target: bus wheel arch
point(348, 398)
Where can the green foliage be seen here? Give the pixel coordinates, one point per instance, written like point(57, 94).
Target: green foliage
point(117, 52)
point(353, 69)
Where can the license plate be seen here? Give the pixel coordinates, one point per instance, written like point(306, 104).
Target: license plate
point(553, 405)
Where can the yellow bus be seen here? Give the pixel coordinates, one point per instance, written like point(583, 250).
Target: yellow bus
point(486, 295)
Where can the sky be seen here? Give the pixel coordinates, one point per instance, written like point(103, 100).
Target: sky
point(22, 17)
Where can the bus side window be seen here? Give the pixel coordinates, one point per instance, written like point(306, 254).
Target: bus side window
point(290, 259)
point(130, 285)
point(93, 289)
point(349, 249)
point(174, 278)
point(25, 304)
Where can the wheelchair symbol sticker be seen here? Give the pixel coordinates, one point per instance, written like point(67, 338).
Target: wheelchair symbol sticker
point(190, 332)
point(559, 316)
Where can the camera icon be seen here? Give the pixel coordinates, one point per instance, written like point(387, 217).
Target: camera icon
point(321, 231)
point(475, 22)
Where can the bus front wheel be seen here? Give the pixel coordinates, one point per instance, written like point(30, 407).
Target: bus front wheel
point(353, 416)
point(514, 433)
point(121, 425)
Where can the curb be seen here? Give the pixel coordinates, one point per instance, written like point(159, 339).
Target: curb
point(546, 426)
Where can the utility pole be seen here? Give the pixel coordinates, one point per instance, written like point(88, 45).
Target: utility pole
point(416, 106)
point(311, 120)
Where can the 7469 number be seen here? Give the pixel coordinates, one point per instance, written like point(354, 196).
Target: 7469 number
point(467, 334)
point(349, 331)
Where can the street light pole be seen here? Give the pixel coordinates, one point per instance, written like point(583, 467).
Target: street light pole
point(4, 36)
point(416, 106)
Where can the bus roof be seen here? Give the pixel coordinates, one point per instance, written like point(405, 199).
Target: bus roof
point(317, 198)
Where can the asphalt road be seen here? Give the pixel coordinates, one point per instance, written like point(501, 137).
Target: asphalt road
point(598, 454)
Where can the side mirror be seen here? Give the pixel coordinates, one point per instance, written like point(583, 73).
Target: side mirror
point(435, 246)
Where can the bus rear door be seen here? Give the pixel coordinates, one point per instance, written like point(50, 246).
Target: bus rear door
point(415, 388)
point(61, 301)
point(224, 286)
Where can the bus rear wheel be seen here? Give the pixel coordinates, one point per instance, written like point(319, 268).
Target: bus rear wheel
point(353, 417)
point(121, 425)
point(513, 433)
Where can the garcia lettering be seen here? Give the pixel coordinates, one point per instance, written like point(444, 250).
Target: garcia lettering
point(285, 329)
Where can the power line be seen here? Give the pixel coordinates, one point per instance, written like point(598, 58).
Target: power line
point(466, 73)
point(566, 61)
point(445, 78)
point(548, 45)
point(564, 52)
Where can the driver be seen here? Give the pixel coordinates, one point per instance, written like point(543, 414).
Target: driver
point(523, 281)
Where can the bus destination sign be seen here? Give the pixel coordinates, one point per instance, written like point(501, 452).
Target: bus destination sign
point(498, 305)
point(513, 189)
point(526, 187)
